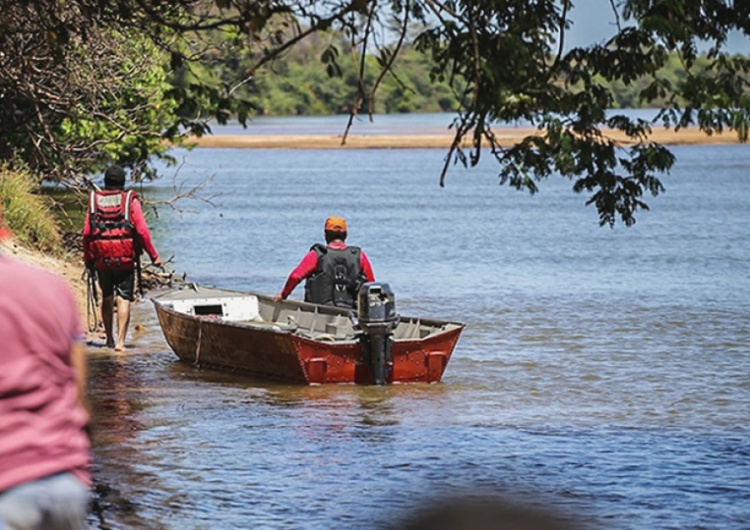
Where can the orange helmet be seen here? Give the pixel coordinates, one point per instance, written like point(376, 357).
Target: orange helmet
point(335, 224)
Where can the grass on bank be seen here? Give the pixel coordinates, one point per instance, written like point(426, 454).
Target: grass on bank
point(28, 213)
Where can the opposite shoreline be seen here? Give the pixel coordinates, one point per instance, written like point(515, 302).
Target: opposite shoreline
point(506, 138)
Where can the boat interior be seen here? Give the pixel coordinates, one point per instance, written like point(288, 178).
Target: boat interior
point(309, 320)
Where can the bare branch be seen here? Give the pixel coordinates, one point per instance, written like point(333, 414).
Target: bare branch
point(361, 92)
point(617, 14)
point(388, 67)
point(183, 192)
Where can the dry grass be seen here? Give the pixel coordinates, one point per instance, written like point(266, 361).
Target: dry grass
point(28, 213)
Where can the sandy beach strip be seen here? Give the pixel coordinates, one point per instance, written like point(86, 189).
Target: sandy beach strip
point(507, 137)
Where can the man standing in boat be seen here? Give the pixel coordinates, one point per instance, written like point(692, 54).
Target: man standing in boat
point(333, 272)
point(114, 234)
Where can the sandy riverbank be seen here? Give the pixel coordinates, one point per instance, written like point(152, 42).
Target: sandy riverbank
point(506, 137)
point(68, 269)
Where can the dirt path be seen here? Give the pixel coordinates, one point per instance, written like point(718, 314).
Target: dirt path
point(67, 269)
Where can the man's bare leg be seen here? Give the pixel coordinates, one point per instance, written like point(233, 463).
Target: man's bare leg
point(123, 321)
point(107, 310)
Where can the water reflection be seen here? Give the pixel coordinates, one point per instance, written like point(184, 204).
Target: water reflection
point(115, 387)
point(115, 384)
point(367, 405)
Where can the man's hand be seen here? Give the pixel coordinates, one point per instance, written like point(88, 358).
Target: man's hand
point(158, 262)
point(277, 298)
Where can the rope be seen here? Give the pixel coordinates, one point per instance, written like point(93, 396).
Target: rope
point(92, 301)
point(198, 344)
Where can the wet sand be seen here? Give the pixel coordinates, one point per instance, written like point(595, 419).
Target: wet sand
point(506, 137)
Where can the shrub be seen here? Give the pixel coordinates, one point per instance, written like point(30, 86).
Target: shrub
point(28, 213)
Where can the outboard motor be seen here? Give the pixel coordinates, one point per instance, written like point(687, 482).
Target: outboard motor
point(376, 307)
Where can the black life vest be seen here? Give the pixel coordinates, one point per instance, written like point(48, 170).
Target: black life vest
point(113, 243)
point(338, 277)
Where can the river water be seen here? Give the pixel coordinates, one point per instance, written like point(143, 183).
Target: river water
point(603, 375)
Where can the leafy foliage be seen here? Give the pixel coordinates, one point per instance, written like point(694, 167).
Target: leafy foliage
point(515, 72)
point(79, 90)
point(73, 104)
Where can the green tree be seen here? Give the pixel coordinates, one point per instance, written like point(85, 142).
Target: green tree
point(68, 110)
point(504, 61)
point(512, 59)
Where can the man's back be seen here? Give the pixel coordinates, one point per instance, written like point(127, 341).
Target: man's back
point(39, 404)
point(333, 271)
point(338, 275)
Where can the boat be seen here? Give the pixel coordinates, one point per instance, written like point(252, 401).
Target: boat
point(299, 342)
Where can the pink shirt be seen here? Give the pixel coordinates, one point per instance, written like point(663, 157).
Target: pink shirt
point(41, 421)
point(309, 265)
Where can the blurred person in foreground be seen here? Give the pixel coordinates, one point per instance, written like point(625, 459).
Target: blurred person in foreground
point(45, 460)
point(334, 272)
point(114, 235)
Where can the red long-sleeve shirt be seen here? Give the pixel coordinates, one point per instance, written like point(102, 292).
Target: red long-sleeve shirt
point(309, 265)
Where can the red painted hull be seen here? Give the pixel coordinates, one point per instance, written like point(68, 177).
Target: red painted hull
point(280, 355)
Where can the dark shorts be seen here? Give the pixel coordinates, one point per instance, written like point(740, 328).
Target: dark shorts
point(121, 283)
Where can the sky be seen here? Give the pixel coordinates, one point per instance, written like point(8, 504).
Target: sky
point(594, 22)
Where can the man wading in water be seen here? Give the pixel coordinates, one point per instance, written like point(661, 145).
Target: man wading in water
point(114, 234)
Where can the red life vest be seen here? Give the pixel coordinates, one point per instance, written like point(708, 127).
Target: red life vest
point(113, 244)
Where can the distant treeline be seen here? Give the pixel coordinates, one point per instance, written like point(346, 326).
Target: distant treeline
point(299, 84)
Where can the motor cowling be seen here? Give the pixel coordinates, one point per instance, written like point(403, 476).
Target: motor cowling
point(376, 303)
point(376, 308)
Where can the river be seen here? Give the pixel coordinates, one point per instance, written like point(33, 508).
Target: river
point(603, 375)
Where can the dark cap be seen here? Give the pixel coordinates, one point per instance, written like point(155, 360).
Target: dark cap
point(114, 177)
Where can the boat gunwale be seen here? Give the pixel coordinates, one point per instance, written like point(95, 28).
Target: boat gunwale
point(440, 326)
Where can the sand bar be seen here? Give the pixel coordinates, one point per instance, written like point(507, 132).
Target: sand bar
point(507, 138)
